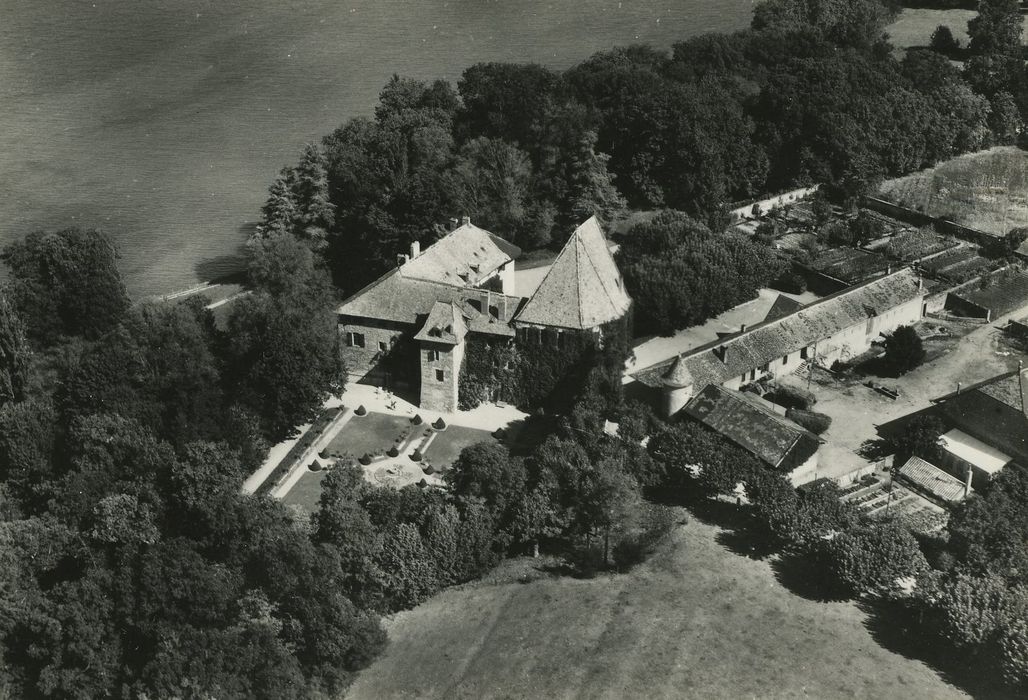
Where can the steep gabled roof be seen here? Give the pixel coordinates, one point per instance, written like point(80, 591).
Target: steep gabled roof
point(445, 324)
point(583, 289)
point(747, 421)
point(782, 307)
point(771, 340)
point(463, 257)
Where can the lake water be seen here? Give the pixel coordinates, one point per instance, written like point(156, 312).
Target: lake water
point(163, 122)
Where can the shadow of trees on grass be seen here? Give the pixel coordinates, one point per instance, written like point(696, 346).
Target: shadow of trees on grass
point(900, 629)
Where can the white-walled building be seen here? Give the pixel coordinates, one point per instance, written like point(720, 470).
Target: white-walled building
point(837, 327)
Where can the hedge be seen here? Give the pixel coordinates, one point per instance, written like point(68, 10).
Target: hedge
point(794, 397)
point(816, 423)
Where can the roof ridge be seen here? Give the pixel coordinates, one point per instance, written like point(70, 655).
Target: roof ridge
point(595, 268)
point(803, 310)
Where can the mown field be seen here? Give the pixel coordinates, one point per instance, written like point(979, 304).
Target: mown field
point(698, 621)
point(914, 26)
point(986, 190)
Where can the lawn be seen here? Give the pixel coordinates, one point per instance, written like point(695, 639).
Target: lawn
point(986, 190)
point(371, 434)
point(914, 27)
point(374, 434)
point(697, 620)
point(306, 492)
point(448, 444)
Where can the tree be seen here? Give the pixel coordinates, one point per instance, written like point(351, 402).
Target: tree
point(283, 358)
point(996, 29)
point(14, 354)
point(66, 284)
point(680, 273)
point(1005, 121)
point(159, 368)
point(920, 437)
point(904, 350)
point(608, 498)
point(988, 532)
point(943, 40)
point(486, 471)
point(506, 101)
point(492, 182)
point(873, 558)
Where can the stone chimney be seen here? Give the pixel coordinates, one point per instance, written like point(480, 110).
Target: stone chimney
point(402, 259)
point(742, 328)
point(465, 220)
point(722, 353)
point(958, 388)
point(967, 481)
point(415, 249)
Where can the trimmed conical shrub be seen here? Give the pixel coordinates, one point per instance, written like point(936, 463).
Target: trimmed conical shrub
point(440, 424)
point(417, 456)
point(361, 411)
point(365, 459)
point(393, 452)
point(316, 466)
point(417, 420)
point(428, 469)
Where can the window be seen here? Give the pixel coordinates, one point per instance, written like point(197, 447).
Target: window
point(804, 353)
point(433, 355)
point(382, 346)
point(785, 360)
point(355, 340)
point(440, 375)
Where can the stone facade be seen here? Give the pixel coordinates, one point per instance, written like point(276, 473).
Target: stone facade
point(440, 368)
point(365, 345)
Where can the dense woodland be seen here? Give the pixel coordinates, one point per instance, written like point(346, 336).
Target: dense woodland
point(134, 567)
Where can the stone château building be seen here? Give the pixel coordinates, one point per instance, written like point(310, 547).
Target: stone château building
point(408, 330)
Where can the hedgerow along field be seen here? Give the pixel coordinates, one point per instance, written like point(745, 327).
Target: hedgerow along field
point(695, 621)
point(987, 190)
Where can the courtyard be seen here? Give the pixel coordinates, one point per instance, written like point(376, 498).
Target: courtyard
point(969, 351)
point(399, 450)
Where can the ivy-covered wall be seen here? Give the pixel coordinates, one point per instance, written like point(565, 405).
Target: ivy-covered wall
point(544, 368)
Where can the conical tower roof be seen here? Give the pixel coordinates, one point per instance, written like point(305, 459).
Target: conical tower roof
point(583, 288)
point(678, 375)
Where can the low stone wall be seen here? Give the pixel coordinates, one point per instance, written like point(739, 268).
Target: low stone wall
point(919, 218)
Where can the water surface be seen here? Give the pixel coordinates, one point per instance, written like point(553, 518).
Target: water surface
point(164, 122)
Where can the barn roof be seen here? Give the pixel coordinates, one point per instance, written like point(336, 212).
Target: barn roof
point(723, 359)
point(583, 289)
point(743, 419)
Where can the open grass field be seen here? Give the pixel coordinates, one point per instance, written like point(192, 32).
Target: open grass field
point(987, 190)
point(914, 26)
point(696, 621)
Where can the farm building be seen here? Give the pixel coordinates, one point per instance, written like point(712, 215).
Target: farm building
point(1001, 293)
point(407, 330)
point(989, 425)
point(836, 327)
point(752, 423)
point(934, 483)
